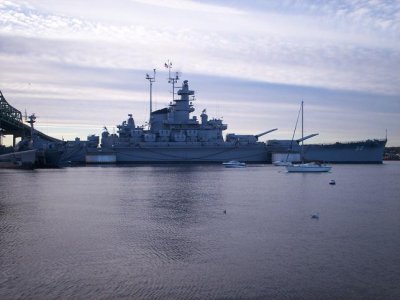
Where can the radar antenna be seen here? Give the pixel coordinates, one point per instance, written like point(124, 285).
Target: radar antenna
point(172, 80)
point(151, 80)
point(31, 121)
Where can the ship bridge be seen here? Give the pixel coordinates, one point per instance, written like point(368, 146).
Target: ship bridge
point(11, 123)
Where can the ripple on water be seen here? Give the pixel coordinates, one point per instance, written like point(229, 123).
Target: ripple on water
point(159, 232)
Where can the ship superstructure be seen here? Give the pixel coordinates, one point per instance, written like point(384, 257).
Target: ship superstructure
point(176, 136)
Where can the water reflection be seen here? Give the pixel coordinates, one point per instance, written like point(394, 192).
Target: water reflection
point(175, 202)
point(2, 209)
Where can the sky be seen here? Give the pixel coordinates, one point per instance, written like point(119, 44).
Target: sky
point(81, 65)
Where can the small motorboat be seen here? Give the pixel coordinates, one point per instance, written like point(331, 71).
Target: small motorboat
point(332, 182)
point(234, 164)
point(282, 163)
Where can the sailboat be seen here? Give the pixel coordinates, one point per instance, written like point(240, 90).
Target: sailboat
point(287, 162)
point(306, 167)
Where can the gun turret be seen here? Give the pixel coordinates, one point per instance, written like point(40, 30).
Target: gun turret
point(264, 133)
point(306, 137)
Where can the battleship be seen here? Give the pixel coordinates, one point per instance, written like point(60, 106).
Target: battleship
point(173, 135)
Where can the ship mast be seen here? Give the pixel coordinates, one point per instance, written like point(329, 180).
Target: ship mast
point(31, 121)
point(172, 80)
point(151, 80)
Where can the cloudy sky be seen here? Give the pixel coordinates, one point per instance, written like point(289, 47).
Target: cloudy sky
point(81, 65)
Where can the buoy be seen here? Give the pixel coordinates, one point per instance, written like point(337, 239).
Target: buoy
point(315, 216)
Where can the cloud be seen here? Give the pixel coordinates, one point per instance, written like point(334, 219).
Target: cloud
point(259, 49)
point(189, 5)
point(83, 52)
point(364, 15)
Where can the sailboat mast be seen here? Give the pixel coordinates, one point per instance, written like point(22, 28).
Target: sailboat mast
point(302, 131)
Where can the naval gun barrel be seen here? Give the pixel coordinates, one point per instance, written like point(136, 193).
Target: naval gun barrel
point(306, 137)
point(265, 132)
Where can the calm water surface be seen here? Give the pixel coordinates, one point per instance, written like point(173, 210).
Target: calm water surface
point(161, 232)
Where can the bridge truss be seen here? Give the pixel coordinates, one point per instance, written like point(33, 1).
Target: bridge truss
point(11, 122)
point(10, 118)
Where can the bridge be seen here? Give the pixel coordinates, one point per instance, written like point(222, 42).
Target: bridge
point(11, 123)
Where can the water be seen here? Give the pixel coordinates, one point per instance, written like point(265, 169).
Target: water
point(161, 232)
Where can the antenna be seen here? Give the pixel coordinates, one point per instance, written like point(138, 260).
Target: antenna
point(172, 80)
point(151, 80)
point(302, 131)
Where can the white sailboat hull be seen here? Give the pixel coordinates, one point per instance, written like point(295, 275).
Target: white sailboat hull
point(280, 163)
point(234, 164)
point(311, 167)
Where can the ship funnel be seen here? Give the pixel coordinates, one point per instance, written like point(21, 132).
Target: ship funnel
point(265, 132)
point(306, 137)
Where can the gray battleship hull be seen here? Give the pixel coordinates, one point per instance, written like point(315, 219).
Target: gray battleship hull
point(191, 154)
point(370, 151)
point(354, 152)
